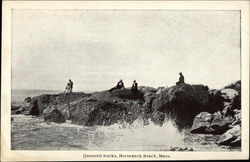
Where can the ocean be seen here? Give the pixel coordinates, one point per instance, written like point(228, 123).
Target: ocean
point(18, 95)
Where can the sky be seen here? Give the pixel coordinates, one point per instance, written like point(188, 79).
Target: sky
point(97, 48)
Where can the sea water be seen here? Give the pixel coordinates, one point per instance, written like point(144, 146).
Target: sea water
point(31, 133)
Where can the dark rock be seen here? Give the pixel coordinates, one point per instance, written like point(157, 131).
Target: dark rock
point(14, 107)
point(227, 111)
point(90, 100)
point(20, 110)
point(220, 125)
point(34, 109)
point(118, 94)
point(182, 103)
point(51, 114)
point(216, 101)
point(236, 102)
point(96, 113)
point(12, 119)
point(148, 98)
point(127, 94)
point(232, 137)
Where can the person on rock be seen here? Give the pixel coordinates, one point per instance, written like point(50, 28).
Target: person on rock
point(67, 88)
point(71, 86)
point(181, 79)
point(134, 87)
point(119, 85)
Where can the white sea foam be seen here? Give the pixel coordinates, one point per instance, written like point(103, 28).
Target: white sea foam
point(138, 136)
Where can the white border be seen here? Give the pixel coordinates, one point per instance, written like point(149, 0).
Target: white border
point(10, 155)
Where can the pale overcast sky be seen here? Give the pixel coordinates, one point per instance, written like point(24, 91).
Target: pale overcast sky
point(96, 48)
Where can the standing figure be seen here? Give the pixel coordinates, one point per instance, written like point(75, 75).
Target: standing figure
point(71, 86)
point(134, 87)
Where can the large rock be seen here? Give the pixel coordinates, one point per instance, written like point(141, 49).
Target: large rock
point(127, 94)
point(182, 103)
point(40, 103)
point(215, 102)
point(202, 122)
point(232, 137)
point(52, 114)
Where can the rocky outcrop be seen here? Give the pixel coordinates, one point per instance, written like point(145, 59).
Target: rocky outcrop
point(40, 103)
point(189, 106)
point(182, 103)
point(206, 123)
point(226, 122)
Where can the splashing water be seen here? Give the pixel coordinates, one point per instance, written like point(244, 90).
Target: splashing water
point(137, 136)
point(29, 133)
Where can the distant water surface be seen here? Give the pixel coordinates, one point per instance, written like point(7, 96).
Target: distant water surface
point(18, 95)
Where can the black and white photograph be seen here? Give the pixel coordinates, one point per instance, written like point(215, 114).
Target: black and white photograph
point(166, 80)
